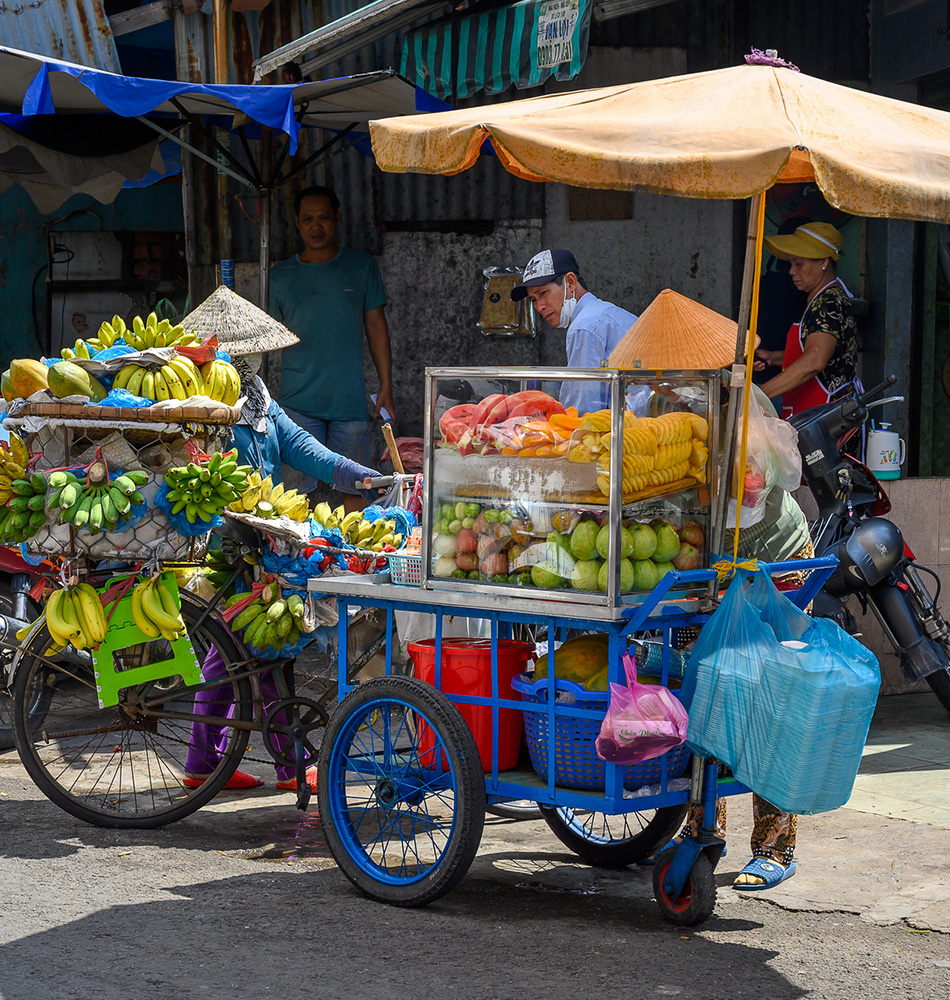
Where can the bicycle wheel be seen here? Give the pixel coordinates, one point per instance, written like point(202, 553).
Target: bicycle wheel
point(401, 791)
point(6, 659)
point(614, 841)
point(124, 766)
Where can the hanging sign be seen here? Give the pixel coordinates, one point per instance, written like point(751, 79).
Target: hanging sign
point(557, 22)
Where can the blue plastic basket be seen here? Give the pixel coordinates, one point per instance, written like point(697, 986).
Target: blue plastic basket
point(576, 764)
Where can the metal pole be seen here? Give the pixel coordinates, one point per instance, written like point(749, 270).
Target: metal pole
point(267, 147)
point(738, 373)
point(221, 75)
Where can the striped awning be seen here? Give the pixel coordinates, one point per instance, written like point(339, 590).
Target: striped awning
point(522, 45)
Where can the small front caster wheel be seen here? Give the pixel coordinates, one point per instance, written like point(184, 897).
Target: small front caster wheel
point(696, 900)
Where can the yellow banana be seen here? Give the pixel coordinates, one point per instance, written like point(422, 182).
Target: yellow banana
point(90, 610)
point(168, 603)
point(18, 450)
point(70, 617)
point(148, 385)
point(122, 378)
point(175, 389)
point(134, 385)
point(153, 606)
point(141, 619)
point(189, 375)
point(151, 322)
point(161, 386)
point(59, 630)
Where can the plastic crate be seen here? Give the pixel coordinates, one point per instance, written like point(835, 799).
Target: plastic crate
point(576, 764)
point(405, 570)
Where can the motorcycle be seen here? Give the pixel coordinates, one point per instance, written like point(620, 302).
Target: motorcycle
point(876, 565)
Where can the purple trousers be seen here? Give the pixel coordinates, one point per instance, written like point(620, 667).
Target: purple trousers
point(209, 740)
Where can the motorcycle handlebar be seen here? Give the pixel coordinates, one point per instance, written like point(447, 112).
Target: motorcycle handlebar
point(880, 388)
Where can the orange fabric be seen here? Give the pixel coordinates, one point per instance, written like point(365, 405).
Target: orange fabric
point(726, 133)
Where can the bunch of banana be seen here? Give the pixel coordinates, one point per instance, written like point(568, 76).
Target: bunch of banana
point(75, 616)
point(155, 609)
point(202, 491)
point(263, 499)
point(323, 514)
point(25, 511)
point(99, 503)
point(657, 451)
point(178, 379)
point(108, 334)
point(13, 461)
point(374, 535)
point(155, 333)
point(270, 621)
point(221, 381)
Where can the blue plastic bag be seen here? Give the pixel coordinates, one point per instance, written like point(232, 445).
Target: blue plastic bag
point(783, 699)
point(122, 397)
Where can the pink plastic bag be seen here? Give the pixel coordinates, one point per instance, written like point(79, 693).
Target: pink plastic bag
point(643, 721)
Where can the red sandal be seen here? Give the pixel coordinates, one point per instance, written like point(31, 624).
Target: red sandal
point(238, 782)
point(290, 785)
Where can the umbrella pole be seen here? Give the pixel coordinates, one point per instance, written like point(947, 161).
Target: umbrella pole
point(737, 382)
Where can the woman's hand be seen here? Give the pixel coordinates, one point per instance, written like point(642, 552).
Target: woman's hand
point(764, 359)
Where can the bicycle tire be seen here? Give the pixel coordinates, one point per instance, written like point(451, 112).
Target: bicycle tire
point(7, 741)
point(940, 685)
point(123, 766)
point(403, 807)
point(515, 809)
point(614, 841)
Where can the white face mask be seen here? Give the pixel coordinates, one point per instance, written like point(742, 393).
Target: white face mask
point(253, 361)
point(567, 310)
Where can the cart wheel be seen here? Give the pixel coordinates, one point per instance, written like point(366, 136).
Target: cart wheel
point(123, 766)
point(515, 809)
point(612, 841)
point(401, 791)
point(698, 897)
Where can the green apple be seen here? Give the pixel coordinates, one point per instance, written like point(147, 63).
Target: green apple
point(644, 542)
point(584, 541)
point(584, 574)
point(645, 575)
point(667, 544)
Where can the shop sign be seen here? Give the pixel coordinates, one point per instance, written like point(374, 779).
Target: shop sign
point(557, 21)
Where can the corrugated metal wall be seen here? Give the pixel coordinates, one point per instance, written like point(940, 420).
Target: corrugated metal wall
point(75, 31)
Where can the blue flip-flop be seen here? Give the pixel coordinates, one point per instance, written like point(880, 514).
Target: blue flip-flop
point(764, 868)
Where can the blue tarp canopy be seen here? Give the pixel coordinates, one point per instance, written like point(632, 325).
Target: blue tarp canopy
point(32, 84)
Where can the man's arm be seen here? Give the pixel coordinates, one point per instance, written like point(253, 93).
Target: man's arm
point(377, 335)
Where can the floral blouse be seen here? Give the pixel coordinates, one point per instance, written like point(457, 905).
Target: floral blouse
point(830, 312)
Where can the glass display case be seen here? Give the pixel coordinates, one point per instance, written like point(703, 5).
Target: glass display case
point(592, 502)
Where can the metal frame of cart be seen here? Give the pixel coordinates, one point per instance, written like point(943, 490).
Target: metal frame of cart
point(683, 879)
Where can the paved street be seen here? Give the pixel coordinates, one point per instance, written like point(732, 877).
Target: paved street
point(241, 899)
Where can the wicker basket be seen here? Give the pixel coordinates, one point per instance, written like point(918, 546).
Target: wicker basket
point(576, 764)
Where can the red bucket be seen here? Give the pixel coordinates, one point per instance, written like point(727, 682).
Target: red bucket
point(466, 670)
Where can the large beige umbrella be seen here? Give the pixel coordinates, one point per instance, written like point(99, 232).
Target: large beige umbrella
point(727, 133)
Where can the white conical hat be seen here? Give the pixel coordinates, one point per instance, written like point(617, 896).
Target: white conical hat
point(241, 328)
point(676, 332)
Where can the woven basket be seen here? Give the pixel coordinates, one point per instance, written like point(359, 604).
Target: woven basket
point(576, 764)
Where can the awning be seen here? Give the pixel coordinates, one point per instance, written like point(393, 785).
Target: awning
point(33, 85)
point(53, 161)
point(523, 45)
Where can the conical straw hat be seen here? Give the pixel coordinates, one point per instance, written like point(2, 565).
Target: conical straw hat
point(241, 328)
point(676, 332)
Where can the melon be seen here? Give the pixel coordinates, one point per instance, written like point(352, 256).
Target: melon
point(28, 376)
point(576, 660)
point(67, 379)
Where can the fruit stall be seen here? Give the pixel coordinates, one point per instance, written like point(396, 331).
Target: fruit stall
point(588, 530)
point(174, 576)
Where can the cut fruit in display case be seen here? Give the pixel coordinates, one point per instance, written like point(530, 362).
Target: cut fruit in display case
point(521, 492)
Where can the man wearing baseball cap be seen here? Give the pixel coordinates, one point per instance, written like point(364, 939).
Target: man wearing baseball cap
point(553, 285)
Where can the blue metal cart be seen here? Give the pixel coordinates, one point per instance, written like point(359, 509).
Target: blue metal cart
point(402, 788)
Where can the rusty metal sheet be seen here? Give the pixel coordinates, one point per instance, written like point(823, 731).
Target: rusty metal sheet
point(75, 31)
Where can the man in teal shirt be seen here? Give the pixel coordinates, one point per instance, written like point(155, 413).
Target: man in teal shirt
point(330, 297)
